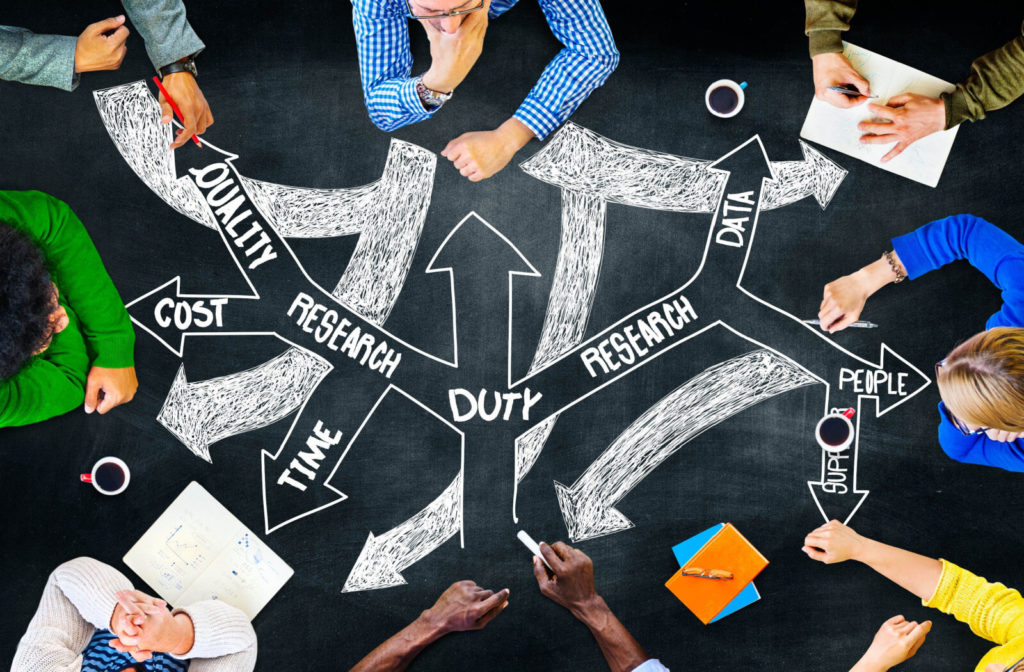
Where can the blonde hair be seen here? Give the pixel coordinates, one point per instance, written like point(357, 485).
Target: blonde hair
point(982, 379)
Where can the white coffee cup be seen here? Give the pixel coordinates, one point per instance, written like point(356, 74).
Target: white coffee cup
point(728, 86)
point(834, 432)
point(107, 473)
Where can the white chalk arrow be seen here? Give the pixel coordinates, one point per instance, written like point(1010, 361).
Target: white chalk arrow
point(389, 213)
point(710, 397)
point(816, 175)
point(204, 412)
point(384, 557)
point(836, 497)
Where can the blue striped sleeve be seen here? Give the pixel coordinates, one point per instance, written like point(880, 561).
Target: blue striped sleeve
point(385, 64)
point(589, 56)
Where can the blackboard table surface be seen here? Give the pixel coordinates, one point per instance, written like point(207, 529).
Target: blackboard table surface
point(283, 83)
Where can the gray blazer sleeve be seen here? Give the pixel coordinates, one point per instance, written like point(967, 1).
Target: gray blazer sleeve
point(164, 28)
point(44, 60)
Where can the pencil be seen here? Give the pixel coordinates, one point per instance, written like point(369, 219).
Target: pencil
point(174, 106)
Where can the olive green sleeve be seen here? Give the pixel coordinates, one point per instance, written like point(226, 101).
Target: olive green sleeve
point(996, 80)
point(826, 20)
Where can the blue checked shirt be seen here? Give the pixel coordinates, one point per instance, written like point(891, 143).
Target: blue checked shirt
point(385, 62)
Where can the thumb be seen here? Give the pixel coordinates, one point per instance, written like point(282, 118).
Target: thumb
point(92, 394)
point(862, 85)
point(899, 101)
point(106, 25)
point(815, 554)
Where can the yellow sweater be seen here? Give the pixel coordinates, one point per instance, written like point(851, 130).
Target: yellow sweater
point(993, 611)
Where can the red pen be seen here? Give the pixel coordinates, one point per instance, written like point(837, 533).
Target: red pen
point(174, 106)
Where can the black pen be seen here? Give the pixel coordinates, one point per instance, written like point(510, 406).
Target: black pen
point(848, 92)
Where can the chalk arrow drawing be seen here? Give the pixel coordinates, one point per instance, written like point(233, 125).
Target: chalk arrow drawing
point(816, 175)
point(719, 392)
point(160, 303)
point(384, 557)
point(204, 412)
point(836, 499)
point(389, 213)
point(467, 238)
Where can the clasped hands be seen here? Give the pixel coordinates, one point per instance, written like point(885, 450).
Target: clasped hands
point(144, 625)
point(903, 120)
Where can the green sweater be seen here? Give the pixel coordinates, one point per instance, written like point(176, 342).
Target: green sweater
point(99, 331)
point(996, 79)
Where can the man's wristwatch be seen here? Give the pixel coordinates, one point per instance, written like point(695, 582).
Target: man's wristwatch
point(431, 99)
point(187, 64)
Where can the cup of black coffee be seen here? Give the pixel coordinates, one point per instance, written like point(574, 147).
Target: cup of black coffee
point(834, 433)
point(725, 98)
point(109, 476)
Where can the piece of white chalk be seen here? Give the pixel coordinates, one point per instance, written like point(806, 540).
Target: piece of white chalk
point(532, 545)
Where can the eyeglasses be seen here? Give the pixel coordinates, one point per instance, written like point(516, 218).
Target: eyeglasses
point(1016, 667)
point(717, 574)
point(957, 422)
point(442, 15)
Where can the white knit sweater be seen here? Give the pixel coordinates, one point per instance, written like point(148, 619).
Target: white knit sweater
point(79, 599)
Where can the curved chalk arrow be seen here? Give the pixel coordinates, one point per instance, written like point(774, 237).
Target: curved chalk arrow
point(705, 400)
point(207, 411)
point(816, 175)
point(384, 557)
point(389, 214)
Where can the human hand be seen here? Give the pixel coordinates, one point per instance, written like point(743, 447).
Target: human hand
point(842, 302)
point(195, 111)
point(454, 48)
point(118, 387)
point(907, 118)
point(895, 642)
point(570, 582)
point(481, 154)
point(465, 606)
point(834, 69)
point(143, 625)
point(833, 542)
point(1002, 435)
point(96, 50)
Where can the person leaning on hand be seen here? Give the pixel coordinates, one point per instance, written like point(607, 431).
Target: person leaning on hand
point(996, 80)
point(981, 381)
point(571, 584)
point(456, 30)
point(59, 60)
point(91, 619)
point(463, 606)
point(65, 336)
point(993, 611)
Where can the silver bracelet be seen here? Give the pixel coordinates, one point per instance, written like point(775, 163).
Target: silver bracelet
point(900, 275)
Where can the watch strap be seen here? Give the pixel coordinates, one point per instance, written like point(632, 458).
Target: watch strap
point(431, 99)
point(184, 65)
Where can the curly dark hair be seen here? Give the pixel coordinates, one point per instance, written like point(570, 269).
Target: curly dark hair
point(26, 300)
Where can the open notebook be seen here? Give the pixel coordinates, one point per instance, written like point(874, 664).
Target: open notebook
point(196, 550)
point(835, 128)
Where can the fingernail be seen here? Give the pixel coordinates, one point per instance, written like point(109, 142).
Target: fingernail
point(166, 119)
point(89, 409)
point(120, 17)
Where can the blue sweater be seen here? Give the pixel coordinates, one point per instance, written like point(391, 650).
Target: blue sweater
point(1001, 258)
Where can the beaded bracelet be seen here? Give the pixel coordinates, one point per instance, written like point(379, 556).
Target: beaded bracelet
point(900, 275)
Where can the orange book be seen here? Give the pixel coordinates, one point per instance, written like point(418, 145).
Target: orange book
point(728, 550)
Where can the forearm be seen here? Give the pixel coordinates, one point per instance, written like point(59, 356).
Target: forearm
point(825, 22)
point(43, 60)
point(917, 573)
point(879, 273)
point(396, 653)
point(996, 80)
point(620, 649)
point(164, 28)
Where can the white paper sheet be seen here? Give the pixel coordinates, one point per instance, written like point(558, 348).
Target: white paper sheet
point(835, 128)
point(196, 550)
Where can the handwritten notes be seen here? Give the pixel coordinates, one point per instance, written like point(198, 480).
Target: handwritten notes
point(196, 550)
point(836, 128)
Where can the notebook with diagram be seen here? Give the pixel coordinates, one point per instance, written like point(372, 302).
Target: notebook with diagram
point(197, 550)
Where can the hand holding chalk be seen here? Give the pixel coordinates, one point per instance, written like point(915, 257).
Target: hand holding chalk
point(532, 545)
point(572, 585)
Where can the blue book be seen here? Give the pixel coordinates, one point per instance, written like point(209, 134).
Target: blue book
point(685, 550)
